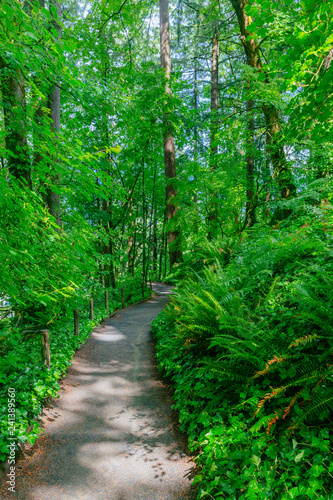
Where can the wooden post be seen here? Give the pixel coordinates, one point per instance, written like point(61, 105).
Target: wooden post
point(122, 297)
point(91, 304)
point(151, 287)
point(107, 301)
point(76, 322)
point(45, 338)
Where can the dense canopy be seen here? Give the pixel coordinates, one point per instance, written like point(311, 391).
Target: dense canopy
point(189, 141)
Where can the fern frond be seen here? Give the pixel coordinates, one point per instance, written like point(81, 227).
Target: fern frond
point(269, 363)
point(307, 339)
point(323, 401)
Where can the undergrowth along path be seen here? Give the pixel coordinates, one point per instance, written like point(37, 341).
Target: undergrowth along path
point(112, 433)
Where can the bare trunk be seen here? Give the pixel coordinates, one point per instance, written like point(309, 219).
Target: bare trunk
point(281, 168)
point(250, 190)
point(214, 100)
point(134, 245)
point(195, 149)
point(154, 241)
point(108, 250)
point(214, 106)
point(175, 253)
point(162, 246)
point(51, 198)
point(144, 225)
point(130, 250)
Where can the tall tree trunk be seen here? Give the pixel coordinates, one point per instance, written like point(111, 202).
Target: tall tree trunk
point(175, 252)
point(281, 168)
point(195, 130)
point(195, 148)
point(152, 228)
point(214, 106)
point(162, 246)
point(130, 244)
point(134, 244)
point(39, 122)
point(108, 249)
point(51, 198)
point(250, 189)
point(144, 225)
point(154, 241)
point(13, 96)
point(130, 249)
point(161, 257)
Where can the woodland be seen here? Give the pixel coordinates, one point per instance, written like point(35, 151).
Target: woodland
point(191, 142)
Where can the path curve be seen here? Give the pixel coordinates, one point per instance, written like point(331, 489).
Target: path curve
point(111, 435)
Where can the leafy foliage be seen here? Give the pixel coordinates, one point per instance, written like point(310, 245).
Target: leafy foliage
point(248, 345)
point(21, 364)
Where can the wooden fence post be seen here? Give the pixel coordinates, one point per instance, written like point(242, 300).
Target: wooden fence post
point(76, 322)
point(151, 287)
point(107, 301)
point(91, 304)
point(45, 338)
point(122, 297)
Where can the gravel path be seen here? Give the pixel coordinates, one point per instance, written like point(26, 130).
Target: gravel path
point(112, 434)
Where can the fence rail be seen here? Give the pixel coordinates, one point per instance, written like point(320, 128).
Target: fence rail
point(45, 351)
point(116, 297)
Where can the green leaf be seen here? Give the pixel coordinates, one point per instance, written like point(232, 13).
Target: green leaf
point(299, 457)
point(255, 460)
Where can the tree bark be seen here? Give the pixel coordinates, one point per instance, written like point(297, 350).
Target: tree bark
point(214, 106)
point(52, 199)
point(281, 168)
point(250, 190)
point(14, 106)
point(162, 244)
point(144, 226)
point(195, 130)
point(134, 244)
point(195, 149)
point(154, 241)
point(214, 98)
point(175, 252)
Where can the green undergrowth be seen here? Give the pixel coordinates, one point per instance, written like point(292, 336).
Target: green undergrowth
point(247, 341)
point(22, 369)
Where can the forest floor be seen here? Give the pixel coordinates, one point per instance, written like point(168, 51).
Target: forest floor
point(112, 434)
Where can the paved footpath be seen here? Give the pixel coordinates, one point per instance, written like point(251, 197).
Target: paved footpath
point(112, 434)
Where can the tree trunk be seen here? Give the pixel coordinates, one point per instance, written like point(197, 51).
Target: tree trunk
point(162, 244)
point(195, 149)
point(250, 190)
point(13, 96)
point(52, 199)
point(214, 106)
point(109, 271)
point(281, 168)
point(130, 250)
point(154, 241)
point(175, 253)
point(134, 244)
point(144, 225)
point(152, 228)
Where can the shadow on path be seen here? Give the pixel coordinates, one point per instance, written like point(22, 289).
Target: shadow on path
point(110, 436)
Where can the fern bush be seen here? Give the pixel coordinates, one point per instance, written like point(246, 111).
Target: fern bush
point(248, 343)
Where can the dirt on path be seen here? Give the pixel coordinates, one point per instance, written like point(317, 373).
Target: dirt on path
point(112, 433)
